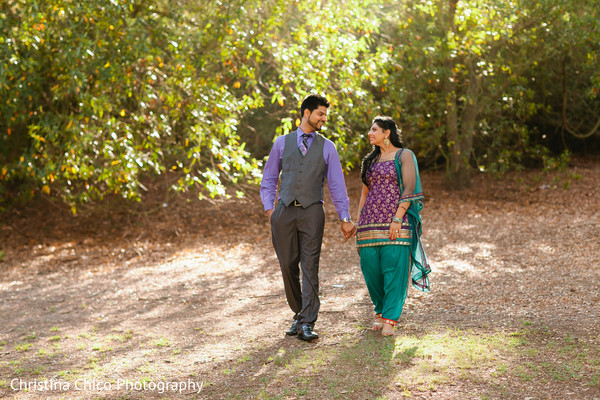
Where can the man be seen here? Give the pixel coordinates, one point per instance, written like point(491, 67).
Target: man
point(297, 223)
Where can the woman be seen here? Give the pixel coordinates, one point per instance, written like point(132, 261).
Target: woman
point(389, 225)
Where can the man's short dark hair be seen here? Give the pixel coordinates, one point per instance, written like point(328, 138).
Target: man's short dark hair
point(312, 102)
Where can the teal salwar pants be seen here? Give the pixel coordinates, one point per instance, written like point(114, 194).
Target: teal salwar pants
point(386, 270)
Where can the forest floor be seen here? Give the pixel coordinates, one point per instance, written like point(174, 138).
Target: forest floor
point(184, 300)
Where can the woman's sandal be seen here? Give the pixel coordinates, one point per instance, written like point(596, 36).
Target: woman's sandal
point(378, 323)
point(388, 327)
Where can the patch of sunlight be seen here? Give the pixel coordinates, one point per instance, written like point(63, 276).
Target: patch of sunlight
point(456, 264)
point(481, 249)
point(465, 257)
point(299, 362)
point(465, 227)
point(216, 352)
point(544, 248)
point(209, 262)
point(485, 250)
point(8, 285)
point(434, 359)
point(459, 248)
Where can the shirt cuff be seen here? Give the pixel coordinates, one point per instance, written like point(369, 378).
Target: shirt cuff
point(344, 214)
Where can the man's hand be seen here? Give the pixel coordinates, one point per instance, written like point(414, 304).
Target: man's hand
point(348, 229)
point(269, 213)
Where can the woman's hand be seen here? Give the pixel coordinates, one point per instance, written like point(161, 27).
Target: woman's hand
point(394, 232)
point(348, 229)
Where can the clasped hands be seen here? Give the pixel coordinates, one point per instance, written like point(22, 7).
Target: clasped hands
point(348, 229)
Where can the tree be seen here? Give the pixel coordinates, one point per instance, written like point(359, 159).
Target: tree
point(461, 73)
point(567, 80)
point(326, 48)
point(96, 95)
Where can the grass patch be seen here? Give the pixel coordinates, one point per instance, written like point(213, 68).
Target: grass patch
point(36, 371)
point(163, 342)
point(433, 359)
point(243, 359)
point(408, 364)
point(23, 346)
point(403, 366)
point(524, 373)
point(147, 369)
point(100, 348)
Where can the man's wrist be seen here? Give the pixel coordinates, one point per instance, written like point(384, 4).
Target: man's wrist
point(346, 219)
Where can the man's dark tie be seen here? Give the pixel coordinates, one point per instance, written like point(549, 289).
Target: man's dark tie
point(304, 145)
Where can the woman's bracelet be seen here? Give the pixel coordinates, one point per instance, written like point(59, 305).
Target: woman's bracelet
point(396, 219)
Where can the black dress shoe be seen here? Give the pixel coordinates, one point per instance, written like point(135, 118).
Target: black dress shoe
point(293, 329)
point(306, 333)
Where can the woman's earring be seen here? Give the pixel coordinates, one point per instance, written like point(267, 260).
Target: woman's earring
point(386, 141)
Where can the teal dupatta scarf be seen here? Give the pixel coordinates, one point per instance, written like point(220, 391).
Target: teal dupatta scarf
point(421, 268)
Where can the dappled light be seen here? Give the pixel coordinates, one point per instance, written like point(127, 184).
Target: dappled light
point(193, 93)
point(136, 259)
point(512, 311)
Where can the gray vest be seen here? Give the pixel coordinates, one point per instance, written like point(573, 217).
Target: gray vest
point(302, 177)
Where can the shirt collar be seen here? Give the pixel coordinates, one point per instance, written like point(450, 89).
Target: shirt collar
point(301, 132)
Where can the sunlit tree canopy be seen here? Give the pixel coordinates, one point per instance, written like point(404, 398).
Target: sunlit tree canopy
point(98, 96)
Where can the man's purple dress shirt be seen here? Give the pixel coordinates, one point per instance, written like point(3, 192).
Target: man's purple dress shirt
point(334, 175)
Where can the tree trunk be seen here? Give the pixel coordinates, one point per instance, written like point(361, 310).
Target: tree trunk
point(459, 134)
point(467, 128)
point(452, 131)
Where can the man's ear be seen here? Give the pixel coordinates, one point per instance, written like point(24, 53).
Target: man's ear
point(306, 113)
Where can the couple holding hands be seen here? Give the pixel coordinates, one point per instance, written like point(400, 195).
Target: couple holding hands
point(388, 230)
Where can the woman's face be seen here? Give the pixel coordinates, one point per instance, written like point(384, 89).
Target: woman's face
point(377, 135)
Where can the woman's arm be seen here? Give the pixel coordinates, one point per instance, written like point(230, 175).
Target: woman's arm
point(409, 181)
point(363, 198)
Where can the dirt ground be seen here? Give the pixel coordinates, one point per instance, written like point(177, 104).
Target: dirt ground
point(191, 291)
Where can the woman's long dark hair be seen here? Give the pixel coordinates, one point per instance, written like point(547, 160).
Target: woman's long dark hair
point(395, 137)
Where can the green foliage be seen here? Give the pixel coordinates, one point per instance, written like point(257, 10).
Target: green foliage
point(329, 49)
point(324, 48)
point(386, 59)
point(97, 96)
point(94, 95)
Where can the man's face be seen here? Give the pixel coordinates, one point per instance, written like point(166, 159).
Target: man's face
point(317, 118)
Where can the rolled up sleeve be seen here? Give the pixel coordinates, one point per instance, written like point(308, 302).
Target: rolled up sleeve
point(270, 179)
point(336, 181)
